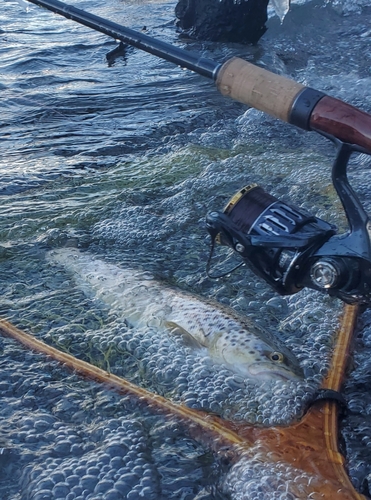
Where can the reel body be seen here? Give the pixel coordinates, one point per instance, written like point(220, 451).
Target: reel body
point(292, 249)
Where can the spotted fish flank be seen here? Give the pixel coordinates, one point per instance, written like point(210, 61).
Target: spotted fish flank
point(228, 338)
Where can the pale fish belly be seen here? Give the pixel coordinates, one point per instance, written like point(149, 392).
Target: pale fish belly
point(134, 294)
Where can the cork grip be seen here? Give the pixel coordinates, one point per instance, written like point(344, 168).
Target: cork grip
point(257, 87)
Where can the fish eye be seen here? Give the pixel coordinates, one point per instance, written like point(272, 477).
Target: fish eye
point(276, 356)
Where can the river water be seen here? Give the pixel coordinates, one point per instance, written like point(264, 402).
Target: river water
point(124, 157)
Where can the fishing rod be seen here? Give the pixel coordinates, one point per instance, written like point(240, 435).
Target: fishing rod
point(289, 248)
point(245, 82)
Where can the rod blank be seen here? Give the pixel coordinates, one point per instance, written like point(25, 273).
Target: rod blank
point(184, 58)
point(278, 96)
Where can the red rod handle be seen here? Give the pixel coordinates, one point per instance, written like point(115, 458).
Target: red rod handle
point(342, 120)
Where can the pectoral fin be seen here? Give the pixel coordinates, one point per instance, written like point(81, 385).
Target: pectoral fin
point(187, 338)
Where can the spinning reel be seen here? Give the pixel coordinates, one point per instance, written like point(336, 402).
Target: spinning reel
point(292, 249)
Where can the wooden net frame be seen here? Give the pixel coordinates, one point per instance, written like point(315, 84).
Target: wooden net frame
point(309, 446)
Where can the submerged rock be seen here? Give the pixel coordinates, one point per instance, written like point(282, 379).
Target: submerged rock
point(222, 20)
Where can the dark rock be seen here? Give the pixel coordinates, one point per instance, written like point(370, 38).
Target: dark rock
point(241, 21)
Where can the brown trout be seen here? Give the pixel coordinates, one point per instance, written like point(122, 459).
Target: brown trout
point(229, 339)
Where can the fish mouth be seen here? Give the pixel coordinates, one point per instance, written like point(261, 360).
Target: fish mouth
point(264, 371)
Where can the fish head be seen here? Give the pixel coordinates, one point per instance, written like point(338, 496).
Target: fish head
point(261, 361)
point(276, 365)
